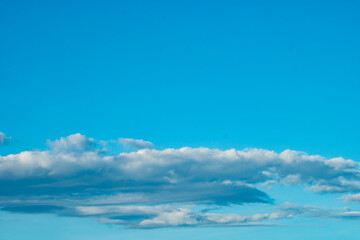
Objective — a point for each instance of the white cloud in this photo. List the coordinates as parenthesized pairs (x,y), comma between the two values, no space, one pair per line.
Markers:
(178,217)
(352,198)
(170,216)
(72,143)
(74,155)
(340,184)
(136,143)
(76,171)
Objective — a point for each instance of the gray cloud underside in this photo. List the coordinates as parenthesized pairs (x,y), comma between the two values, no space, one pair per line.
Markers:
(77,171)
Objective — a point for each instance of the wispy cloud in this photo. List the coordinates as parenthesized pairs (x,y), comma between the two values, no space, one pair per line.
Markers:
(352,198)
(160,216)
(4,139)
(136,143)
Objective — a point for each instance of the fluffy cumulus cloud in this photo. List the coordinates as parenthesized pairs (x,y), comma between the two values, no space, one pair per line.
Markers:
(73,143)
(145,187)
(4,139)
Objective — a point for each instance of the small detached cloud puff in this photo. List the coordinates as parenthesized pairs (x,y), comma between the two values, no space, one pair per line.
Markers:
(4,140)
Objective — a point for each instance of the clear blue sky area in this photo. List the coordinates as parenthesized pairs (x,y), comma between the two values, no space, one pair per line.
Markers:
(273,75)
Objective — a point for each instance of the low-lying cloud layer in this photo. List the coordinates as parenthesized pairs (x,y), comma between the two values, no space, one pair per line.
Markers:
(76,176)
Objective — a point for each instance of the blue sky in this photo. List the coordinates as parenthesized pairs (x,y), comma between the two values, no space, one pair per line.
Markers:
(206,75)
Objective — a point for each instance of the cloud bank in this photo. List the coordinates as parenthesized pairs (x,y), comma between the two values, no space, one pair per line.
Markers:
(142,188)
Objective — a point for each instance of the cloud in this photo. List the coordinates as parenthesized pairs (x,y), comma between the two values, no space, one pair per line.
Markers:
(310,211)
(337,185)
(161,216)
(77,171)
(76,160)
(348,215)
(352,198)
(4,140)
(292,210)
(136,143)
(72,143)
(153,216)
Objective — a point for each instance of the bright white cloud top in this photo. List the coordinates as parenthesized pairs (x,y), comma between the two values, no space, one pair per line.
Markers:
(149,188)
